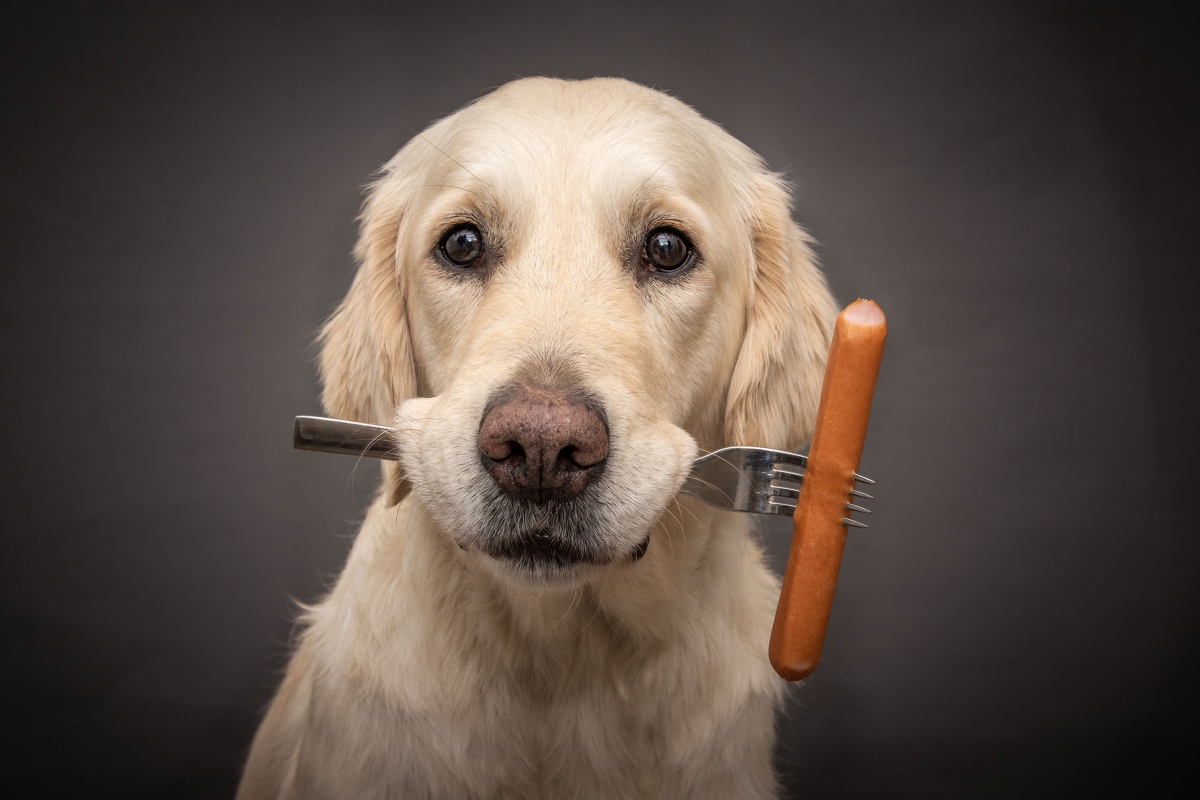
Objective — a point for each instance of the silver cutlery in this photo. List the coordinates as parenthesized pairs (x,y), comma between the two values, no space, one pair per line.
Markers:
(751,479)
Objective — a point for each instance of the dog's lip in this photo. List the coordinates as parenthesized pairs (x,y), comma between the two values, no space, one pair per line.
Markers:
(540,548)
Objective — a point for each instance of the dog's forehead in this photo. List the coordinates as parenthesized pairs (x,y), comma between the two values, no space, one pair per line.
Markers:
(600,138)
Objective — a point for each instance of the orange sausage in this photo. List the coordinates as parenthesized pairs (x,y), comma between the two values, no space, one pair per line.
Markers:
(816,553)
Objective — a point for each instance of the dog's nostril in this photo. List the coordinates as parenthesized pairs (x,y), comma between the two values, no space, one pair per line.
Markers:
(501,450)
(589,453)
(514,456)
(568,459)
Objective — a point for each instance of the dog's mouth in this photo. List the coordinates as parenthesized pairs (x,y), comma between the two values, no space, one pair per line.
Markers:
(605,529)
(541,553)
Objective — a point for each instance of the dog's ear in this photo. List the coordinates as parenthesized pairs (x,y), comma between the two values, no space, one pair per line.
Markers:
(776,384)
(367,365)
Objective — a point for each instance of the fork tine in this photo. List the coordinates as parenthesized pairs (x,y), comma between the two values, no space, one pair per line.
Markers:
(778,457)
(775,457)
(857,493)
(782,491)
(789,468)
(791,472)
(854,522)
(853,507)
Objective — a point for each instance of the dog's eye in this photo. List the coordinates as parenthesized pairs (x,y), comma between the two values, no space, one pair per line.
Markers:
(463,245)
(666,250)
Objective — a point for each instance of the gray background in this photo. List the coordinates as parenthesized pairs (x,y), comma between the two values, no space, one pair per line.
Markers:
(1015,184)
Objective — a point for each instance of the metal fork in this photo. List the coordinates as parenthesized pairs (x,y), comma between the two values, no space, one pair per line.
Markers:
(757,480)
(752,479)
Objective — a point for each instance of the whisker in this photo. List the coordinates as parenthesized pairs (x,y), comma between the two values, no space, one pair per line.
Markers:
(570,608)
(596,602)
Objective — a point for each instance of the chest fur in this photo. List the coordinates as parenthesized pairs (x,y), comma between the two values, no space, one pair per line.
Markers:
(508,735)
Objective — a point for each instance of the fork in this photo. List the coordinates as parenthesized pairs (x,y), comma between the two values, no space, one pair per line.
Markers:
(752,479)
(757,480)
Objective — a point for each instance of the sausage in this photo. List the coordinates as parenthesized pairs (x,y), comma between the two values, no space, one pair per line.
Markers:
(798,633)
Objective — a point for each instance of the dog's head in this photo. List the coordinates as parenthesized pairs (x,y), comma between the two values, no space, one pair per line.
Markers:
(565,289)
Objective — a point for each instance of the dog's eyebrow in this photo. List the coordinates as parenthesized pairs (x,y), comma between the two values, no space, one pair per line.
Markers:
(477,206)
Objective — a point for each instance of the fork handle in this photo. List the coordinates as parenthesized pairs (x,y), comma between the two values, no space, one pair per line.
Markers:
(815,557)
(325,435)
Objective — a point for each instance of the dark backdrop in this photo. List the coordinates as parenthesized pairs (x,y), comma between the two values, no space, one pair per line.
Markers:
(1015,184)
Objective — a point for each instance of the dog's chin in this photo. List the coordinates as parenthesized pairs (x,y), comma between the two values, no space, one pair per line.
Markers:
(540,557)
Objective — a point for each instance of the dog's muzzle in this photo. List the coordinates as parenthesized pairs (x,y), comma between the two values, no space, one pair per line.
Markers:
(544,448)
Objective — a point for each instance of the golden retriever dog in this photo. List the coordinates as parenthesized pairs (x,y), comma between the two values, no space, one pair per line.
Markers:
(566,291)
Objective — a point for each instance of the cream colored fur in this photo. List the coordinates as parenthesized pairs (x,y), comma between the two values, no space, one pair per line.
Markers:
(433,671)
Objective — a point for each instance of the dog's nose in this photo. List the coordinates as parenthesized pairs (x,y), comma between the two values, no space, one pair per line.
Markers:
(543,444)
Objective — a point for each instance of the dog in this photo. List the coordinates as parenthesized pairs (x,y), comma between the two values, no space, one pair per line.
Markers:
(566,291)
